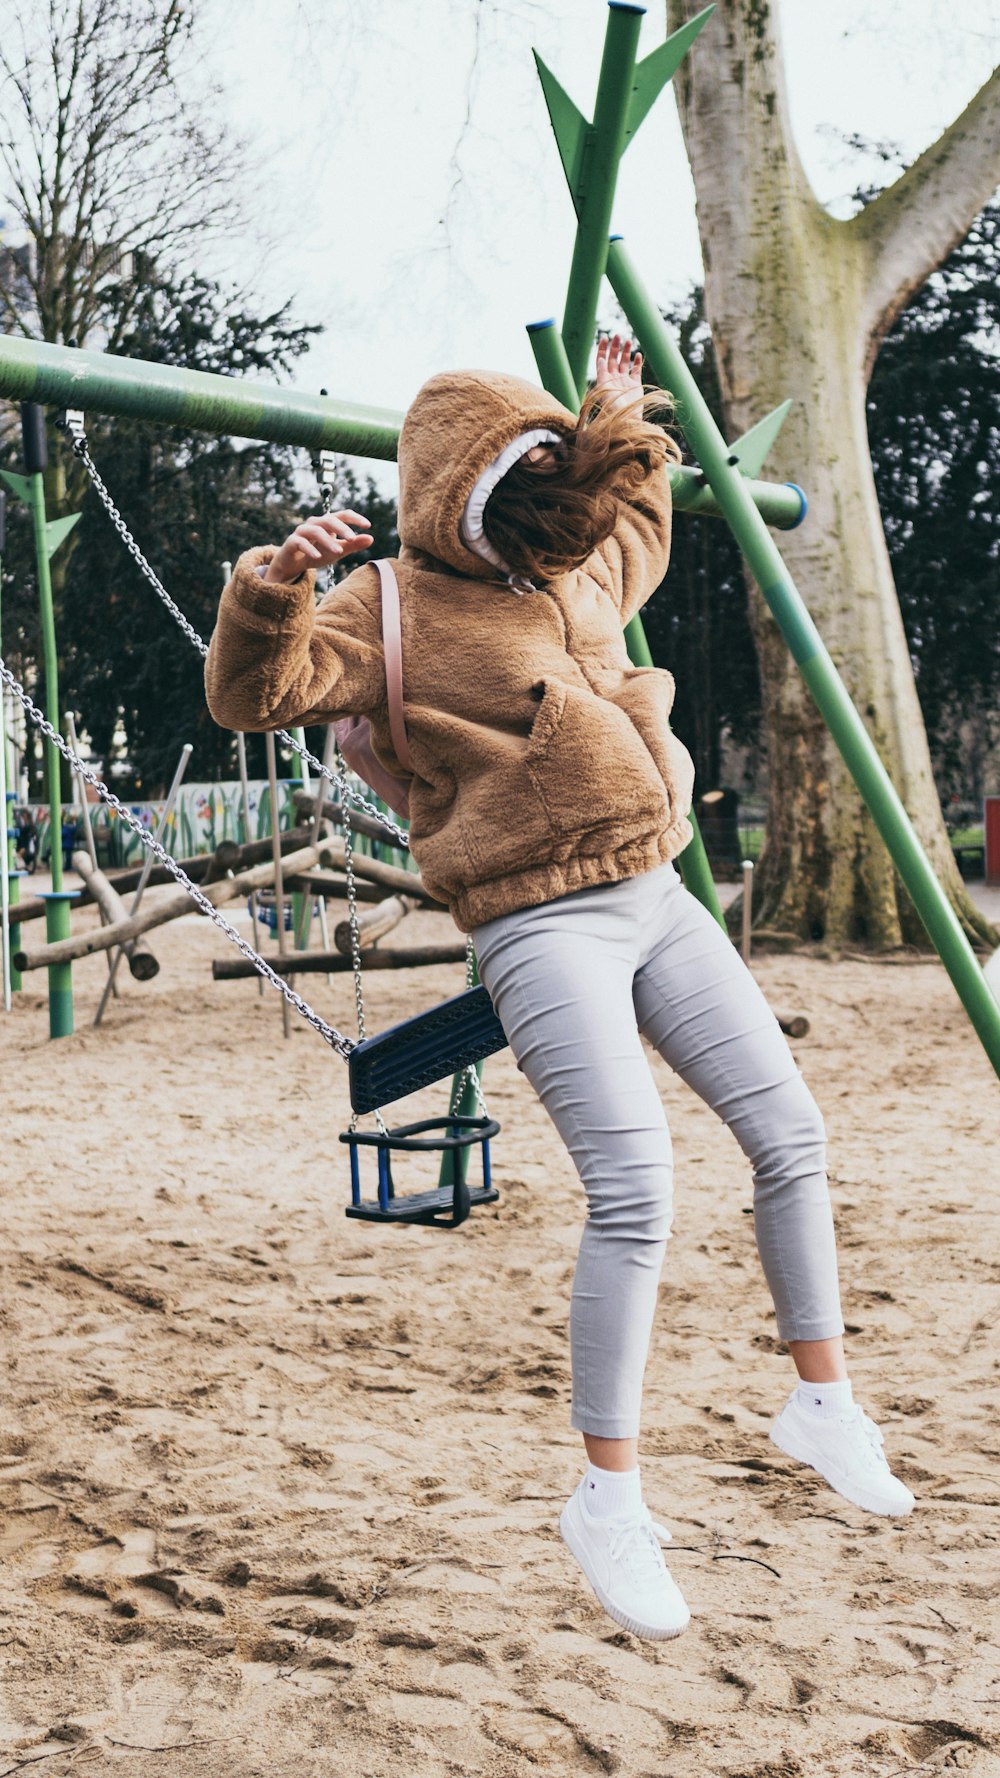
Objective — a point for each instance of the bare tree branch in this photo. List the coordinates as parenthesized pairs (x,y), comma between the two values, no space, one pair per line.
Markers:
(108,143)
(913,225)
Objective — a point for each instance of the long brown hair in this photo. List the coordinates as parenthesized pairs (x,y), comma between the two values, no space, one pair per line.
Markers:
(544,519)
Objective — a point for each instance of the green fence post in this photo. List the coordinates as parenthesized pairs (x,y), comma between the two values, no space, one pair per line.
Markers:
(787,606)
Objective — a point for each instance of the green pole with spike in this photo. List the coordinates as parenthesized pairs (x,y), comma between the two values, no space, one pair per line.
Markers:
(591,153)
(720,463)
(599,151)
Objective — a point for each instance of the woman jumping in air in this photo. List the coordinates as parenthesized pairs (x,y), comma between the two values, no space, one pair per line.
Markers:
(548,803)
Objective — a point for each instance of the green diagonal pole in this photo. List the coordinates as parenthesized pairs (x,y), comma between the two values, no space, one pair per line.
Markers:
(554,369)
(777,587)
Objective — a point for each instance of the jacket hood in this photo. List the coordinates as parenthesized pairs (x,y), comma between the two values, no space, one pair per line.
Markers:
(455,427)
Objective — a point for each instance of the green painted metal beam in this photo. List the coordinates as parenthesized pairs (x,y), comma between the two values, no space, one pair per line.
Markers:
(48,536)
(852,738)
(595,190)
(101,384)
(57,927)
(98,382)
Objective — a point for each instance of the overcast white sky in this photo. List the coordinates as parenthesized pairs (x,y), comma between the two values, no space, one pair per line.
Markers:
(408,187)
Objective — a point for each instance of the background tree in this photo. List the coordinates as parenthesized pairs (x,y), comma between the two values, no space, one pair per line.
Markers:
(933,405)
(114,174)
(108,158)
(934,426)
(193,501)
(799,303)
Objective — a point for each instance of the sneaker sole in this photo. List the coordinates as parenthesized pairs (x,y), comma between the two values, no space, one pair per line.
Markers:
(858,1496)
(652,1633)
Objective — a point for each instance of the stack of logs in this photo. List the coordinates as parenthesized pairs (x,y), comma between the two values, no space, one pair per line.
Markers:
(311,866)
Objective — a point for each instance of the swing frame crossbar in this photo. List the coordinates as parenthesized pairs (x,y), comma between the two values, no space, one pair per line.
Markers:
(442,1206)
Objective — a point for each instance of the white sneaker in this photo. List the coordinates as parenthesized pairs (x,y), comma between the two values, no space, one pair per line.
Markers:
(847,1451)
(623,1562)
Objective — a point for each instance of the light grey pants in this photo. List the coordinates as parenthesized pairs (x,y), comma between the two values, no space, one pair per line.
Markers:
(574,982)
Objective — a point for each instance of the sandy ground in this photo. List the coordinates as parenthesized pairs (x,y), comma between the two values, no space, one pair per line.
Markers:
(279,1490)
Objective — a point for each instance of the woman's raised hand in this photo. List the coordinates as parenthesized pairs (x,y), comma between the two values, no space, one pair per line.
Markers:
(619,369)
(317,542)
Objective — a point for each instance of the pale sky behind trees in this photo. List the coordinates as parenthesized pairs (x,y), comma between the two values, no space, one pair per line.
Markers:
(408,191)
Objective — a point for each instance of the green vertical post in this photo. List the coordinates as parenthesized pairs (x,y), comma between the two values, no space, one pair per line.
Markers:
(57,926)
(48,537)
(554,369)
(36,502)
(591,152)
(793,619)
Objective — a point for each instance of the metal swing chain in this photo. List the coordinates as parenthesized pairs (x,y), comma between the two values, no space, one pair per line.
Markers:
(352,922)
(74,428)
(327,479)
(341,1044)
(327,482)
(469,1075)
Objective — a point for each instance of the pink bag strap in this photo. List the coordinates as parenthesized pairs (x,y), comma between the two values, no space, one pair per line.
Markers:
(392,639)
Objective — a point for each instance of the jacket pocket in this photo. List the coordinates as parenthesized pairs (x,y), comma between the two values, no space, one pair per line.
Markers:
(496,825)
(592,767)
(646,697)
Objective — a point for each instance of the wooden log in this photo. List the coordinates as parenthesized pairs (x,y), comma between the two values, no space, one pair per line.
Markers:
(83,944)
(373,870)
(794,1024)
(305,804)
(374,924)
(201,867)
(230,969)
(141,961)
(331,886)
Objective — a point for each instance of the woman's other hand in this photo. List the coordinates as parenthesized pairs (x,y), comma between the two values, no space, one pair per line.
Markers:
(619,371)
(317,542)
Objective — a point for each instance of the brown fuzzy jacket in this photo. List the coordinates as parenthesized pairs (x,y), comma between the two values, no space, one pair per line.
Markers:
(544,762)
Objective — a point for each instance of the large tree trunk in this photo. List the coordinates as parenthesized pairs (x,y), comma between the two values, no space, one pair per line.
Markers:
(797,302)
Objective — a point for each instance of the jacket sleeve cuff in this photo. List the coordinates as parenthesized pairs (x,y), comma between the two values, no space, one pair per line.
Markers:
(271,603)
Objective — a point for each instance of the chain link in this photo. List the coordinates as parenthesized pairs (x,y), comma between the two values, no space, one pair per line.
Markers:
(470,1075)
(336,775)
(352,922)
(342,1045)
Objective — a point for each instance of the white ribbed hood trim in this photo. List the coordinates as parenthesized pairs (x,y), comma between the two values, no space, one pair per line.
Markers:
(472,518)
